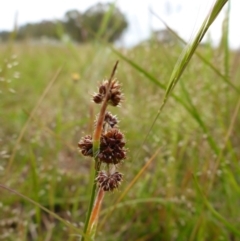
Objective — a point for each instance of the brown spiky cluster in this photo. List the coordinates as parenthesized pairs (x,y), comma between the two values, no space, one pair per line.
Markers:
(112,147)
(111,150)
(109,182)
(115,95)
(86,146)
(110,120)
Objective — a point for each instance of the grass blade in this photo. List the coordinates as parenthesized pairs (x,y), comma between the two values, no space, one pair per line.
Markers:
(224,77)
(216,214)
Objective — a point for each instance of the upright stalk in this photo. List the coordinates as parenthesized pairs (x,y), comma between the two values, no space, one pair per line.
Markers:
(95,213)
(96,148)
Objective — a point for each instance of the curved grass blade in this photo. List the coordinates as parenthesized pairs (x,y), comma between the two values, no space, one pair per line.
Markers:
(190,110)
(190,49)
(43,208)
(199,55)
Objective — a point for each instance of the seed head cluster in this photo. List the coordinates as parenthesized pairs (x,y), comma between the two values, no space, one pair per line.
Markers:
(112,149)
(109,182)
(110,119)
(86,146)
(115,95)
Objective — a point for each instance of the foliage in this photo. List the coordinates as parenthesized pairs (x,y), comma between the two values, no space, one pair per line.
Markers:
(84,27)
(38,30)
(94,17)
(80,27)
(73,25)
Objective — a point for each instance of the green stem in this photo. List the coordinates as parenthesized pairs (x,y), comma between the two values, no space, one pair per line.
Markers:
(90,203)
(96,149)
(92,226)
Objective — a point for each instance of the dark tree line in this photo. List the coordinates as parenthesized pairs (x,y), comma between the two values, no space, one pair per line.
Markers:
(104,19)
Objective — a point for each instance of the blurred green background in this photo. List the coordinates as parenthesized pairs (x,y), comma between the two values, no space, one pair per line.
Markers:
(191,189)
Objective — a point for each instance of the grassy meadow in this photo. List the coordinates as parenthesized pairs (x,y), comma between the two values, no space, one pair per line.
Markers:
(191,187)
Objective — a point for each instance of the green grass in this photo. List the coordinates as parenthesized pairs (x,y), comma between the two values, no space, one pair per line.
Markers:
(190,190)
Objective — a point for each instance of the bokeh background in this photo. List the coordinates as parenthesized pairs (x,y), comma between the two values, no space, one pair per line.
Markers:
(54,55)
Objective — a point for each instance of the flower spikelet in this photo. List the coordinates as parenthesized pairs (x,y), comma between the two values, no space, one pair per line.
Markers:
(109,182)
(110,119)
(115,95)
(102,90)
(86,146)
(112,149)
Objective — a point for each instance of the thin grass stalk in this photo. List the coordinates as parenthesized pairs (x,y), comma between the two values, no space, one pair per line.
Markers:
(95,214)
(189,51)
(224,76)
(187,54)
(96,148)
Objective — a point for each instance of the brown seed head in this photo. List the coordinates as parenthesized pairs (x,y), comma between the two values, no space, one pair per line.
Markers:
(86,146)
(102,90)
(109,182)
(112,149)
(109,119)
(115,95)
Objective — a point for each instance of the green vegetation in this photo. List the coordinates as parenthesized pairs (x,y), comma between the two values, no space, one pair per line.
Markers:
(75,26)
(188,187)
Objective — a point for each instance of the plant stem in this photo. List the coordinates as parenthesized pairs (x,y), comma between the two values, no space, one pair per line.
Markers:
(95,213)
(96,147)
